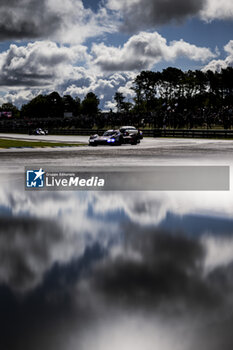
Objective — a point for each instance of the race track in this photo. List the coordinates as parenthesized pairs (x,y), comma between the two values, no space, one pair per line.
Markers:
(150,151)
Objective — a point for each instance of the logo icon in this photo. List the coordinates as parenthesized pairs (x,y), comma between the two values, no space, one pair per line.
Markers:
(35,178)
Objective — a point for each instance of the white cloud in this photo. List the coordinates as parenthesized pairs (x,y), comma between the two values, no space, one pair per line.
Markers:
(143,51)
(103,86)
(20,96)
(44,66)
(38,64)
(80,23)
(62,77)
(146,14)
(65,21)
(217,65)
(142,14)
(69,21)
(27,19)
(217,9)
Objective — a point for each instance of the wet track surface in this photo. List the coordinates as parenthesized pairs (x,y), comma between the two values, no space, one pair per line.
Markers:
(149,152)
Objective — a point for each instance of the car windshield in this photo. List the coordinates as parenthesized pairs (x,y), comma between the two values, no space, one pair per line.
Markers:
(109,133)
(125,129)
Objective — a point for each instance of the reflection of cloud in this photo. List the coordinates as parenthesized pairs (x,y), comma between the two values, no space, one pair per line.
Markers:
(160,276)
(76,220)
(100,272)
(29,247)
(151,208)
(45,229)
(219,251)
(136,332)
(48,315)
(167,271)
(146,208)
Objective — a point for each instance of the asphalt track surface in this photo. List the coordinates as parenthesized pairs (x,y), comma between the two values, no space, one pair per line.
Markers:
(150,151)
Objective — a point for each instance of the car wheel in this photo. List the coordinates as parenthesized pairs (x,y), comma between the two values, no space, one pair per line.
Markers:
(133,141)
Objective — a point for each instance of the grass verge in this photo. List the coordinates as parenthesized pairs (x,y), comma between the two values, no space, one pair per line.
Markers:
(6,143)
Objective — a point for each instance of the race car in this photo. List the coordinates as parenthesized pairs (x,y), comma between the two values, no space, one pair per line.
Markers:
(38,131)
(131,134)
(110,137)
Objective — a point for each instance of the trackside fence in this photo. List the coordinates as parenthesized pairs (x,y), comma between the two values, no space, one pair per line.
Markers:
(177,133)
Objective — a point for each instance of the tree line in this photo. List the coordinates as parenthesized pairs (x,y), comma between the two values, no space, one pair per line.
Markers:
(55,106)
(172,87)
(170,98)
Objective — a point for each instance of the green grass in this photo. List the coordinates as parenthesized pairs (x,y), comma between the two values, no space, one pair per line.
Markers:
(8,143)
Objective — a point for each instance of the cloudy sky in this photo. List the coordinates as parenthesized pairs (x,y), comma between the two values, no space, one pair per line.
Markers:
(77,46)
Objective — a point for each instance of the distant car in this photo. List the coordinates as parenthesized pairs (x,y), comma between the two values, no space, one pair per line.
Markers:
(131,134)
(38,131)
(110,137)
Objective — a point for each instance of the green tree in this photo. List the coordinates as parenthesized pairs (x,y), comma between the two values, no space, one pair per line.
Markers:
(77,106)
(146,86)
(227,81)
(119,98)
(171,84)
(71,105)
(90,104)
(38,107)
(54,105)
(9,107)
